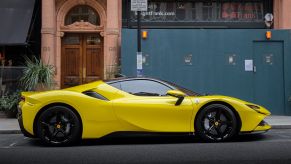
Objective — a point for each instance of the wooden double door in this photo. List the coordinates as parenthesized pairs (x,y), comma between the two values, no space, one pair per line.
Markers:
(82,59)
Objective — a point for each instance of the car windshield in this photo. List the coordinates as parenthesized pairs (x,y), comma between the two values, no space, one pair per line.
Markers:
(186,91)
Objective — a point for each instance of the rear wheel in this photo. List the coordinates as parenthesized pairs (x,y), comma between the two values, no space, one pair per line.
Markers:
(215,123)
(58,126)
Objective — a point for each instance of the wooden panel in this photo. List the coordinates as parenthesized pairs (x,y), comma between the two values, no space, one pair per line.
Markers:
(71,67)
(93,64)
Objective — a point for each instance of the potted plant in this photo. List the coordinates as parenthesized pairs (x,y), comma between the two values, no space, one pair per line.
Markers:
(37,75)
(113,71)
(8,104)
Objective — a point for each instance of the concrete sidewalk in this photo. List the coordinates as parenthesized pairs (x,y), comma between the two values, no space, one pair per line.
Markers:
(10,125)
(279,122)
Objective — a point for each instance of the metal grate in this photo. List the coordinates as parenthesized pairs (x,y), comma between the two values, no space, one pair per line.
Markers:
(9,78)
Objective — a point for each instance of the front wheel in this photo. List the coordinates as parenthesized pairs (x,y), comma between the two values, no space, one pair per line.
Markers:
(58,126)
(216,123)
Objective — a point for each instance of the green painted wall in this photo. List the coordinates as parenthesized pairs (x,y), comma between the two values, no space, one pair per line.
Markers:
(210,72)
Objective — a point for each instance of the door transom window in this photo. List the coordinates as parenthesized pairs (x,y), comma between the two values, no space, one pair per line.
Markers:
(82,13)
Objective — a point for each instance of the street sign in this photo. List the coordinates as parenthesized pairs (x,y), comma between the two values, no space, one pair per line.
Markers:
(139,5)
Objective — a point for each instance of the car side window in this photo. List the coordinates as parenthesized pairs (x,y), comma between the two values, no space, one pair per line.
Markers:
(144,88)
(116,85)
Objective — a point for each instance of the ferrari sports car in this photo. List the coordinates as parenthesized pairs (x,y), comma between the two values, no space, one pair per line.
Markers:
(97,109)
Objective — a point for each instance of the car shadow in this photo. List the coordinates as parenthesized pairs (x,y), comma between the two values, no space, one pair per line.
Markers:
(163,139)
(151,139)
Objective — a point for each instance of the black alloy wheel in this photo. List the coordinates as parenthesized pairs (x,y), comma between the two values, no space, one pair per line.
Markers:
(58,126)
(216,123)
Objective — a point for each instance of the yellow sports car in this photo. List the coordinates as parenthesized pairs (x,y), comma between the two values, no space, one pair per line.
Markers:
(93,110)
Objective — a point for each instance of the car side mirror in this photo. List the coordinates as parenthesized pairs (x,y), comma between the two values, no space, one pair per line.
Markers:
(178,94)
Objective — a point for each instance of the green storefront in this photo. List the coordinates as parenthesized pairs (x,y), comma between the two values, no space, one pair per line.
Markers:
(213,47)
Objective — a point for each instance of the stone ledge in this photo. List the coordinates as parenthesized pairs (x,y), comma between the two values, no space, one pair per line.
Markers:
(2,115)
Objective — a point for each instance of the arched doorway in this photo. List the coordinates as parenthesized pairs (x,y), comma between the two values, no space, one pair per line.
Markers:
(82,47)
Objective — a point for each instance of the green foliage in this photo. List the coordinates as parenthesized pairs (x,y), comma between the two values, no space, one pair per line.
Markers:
(113,71)
(37,73)
(8,103)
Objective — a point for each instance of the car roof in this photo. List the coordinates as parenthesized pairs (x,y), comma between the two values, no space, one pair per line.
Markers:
(121,79)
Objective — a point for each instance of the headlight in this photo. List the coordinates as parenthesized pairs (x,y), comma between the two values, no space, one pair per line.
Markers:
(254,107)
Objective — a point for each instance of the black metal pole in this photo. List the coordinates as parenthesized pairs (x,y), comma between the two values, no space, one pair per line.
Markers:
(138,32)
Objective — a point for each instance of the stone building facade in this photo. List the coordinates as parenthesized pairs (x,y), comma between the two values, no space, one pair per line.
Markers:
(81,38)
(282,14)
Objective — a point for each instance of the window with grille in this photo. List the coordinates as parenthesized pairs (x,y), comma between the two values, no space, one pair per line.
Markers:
(220,13)
(82,13)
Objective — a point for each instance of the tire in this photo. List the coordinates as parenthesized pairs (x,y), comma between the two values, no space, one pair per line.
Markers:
(58,126)
(216,123)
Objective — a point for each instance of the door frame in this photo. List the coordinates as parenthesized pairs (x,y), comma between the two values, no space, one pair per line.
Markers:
(283,69)
(83,50)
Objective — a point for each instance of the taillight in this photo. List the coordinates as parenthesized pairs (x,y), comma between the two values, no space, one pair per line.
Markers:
(22,98)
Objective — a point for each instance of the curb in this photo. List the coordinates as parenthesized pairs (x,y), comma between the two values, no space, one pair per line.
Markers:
(281,126)
(10,132)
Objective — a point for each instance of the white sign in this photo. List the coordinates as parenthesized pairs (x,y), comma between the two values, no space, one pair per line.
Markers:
(139,60)
(139,5)
(160,13)
(249,65)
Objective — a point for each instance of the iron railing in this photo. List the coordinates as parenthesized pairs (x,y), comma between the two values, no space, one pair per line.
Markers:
(9,79)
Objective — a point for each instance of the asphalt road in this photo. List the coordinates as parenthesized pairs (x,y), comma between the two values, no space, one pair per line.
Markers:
(271,147)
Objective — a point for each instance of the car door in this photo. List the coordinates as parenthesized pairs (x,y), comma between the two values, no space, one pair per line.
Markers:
(151,109)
